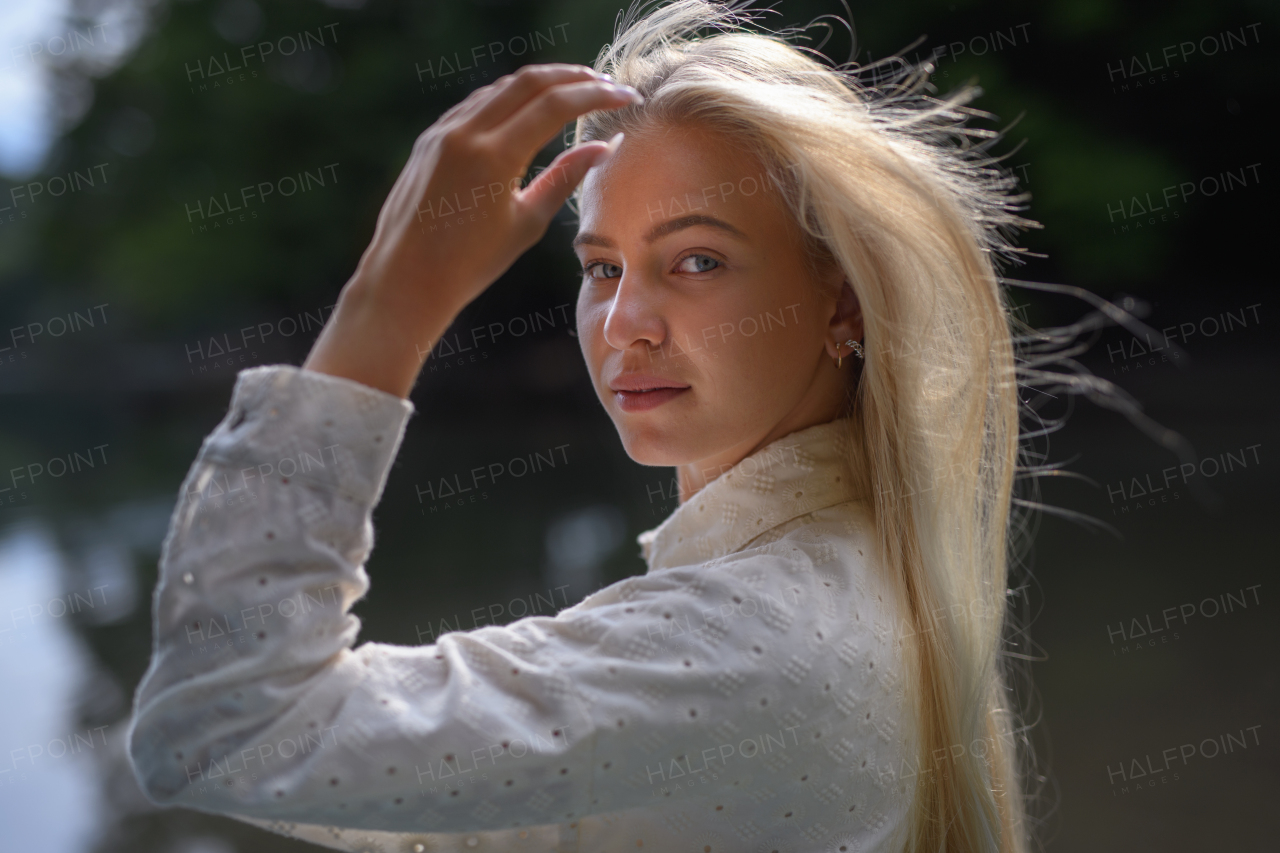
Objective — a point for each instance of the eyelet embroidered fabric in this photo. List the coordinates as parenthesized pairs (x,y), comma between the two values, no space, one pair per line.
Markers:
(744,694)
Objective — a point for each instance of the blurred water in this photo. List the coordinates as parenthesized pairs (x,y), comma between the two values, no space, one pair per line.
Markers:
(578,542)
(49,790)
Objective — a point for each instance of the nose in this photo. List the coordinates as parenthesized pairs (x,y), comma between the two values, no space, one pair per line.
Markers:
(635,314)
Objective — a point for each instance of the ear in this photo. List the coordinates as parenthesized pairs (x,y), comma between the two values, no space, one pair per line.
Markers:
(846,322)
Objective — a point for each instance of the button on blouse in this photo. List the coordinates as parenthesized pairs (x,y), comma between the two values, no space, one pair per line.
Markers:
(745,693)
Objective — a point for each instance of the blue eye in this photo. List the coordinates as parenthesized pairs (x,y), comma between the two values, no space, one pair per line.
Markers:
(702,263)
(612,271)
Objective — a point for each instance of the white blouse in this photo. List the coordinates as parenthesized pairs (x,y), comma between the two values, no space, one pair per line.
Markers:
(744,694)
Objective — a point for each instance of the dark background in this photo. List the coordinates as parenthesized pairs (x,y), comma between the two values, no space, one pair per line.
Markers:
(1101,138)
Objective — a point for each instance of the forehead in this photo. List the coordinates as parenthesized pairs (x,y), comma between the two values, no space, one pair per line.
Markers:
(672,171)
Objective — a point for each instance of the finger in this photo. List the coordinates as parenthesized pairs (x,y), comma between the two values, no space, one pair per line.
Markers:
(524,134)
(481,98)
(553,186)
(466,109)
(474,100)
(510,93)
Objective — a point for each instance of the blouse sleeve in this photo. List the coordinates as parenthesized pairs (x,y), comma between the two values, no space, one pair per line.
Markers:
(256,703)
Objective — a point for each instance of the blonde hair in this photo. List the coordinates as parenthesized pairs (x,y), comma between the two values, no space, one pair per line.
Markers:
(887,182)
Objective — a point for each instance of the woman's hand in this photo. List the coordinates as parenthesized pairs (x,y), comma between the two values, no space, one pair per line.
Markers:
(456,219)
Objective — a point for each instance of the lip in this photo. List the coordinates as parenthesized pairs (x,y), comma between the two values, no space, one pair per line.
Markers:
(638,392)
(643,382)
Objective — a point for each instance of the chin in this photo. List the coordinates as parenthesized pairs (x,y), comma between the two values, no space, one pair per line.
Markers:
(653,447)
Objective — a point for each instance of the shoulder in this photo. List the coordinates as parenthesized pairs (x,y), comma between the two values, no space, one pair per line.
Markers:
(834,552)
(811,589)
(827,554)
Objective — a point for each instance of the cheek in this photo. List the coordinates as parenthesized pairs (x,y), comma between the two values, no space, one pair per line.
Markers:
(762,337)
(768,364)
(590,326)
(774,351)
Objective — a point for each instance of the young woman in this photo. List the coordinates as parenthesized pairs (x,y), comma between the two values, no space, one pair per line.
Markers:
(788,294)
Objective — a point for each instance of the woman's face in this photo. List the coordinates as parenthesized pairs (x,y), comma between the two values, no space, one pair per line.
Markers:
(694,284)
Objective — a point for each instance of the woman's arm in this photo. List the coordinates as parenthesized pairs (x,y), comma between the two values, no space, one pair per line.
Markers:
(256,704)
(423,267)
(265,552)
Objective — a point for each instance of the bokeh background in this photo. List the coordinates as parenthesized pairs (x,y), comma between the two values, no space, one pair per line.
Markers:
(1139,132)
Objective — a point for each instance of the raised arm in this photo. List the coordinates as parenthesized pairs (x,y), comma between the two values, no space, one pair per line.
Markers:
(456,219)
(265,551)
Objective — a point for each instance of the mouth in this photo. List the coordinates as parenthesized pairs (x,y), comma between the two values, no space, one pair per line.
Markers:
(642,393)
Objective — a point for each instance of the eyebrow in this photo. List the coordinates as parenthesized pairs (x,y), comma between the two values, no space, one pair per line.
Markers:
(662,229)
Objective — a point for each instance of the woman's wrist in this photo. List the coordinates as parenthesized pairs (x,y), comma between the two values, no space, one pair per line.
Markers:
(373,339)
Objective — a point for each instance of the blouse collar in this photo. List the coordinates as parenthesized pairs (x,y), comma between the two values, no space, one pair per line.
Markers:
(800,473)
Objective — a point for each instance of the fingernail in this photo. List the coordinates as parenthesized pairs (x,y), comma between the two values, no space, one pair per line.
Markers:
(630,92)
(609,149)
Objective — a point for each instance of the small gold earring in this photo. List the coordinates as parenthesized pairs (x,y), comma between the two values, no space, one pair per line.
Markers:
(839,358)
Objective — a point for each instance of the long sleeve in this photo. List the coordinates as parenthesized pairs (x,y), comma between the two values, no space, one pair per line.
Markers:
(257,703)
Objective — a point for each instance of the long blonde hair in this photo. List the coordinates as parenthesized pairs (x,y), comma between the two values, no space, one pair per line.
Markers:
(887,182)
